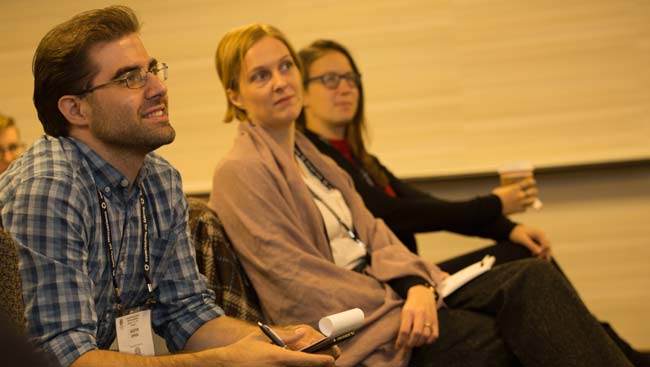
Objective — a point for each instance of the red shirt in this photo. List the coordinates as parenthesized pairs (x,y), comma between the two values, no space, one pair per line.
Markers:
(344,148)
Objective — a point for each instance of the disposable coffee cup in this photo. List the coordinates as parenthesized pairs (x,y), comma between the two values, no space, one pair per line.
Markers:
(511,173)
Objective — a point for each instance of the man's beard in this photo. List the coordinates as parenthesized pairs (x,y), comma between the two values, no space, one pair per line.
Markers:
(124,131)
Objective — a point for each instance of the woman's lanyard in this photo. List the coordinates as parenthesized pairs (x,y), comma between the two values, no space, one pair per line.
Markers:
(314,171)
(145,247)
(353,161)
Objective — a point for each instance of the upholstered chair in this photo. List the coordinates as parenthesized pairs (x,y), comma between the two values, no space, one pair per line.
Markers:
(218,261)
(11,296)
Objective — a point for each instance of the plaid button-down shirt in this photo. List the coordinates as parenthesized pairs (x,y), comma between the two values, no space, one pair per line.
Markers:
(49,203)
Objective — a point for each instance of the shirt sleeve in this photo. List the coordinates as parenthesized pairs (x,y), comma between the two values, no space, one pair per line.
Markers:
(46,218)
(402,285)
(414,211)
(418,212)
(184,301)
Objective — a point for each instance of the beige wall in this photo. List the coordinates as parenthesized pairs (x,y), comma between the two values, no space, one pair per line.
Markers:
(597,221)
(452,86)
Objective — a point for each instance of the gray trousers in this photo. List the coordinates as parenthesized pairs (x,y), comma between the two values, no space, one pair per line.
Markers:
(522,313)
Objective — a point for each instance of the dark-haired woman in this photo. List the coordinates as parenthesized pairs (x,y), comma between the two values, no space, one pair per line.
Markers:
(333,119)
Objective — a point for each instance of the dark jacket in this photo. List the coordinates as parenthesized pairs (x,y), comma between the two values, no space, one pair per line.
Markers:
(414,211)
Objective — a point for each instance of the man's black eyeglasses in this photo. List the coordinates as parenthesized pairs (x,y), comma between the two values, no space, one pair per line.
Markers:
(134,79)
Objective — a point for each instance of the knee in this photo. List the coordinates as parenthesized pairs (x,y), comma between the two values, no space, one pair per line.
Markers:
(538,269)
(539,264)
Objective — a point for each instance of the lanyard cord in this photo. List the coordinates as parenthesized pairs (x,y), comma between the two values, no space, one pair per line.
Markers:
(314,171)
(145,246)
(350,231)
(355,162)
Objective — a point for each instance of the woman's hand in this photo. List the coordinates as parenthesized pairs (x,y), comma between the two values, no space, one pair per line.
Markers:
(419,322)
(532,238)
(516,197)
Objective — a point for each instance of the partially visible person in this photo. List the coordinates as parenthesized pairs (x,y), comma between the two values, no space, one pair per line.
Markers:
(311,248)
(333,119)
(100,220)
(10,144)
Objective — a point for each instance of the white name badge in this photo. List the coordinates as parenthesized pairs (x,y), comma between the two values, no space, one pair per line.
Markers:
(134,335)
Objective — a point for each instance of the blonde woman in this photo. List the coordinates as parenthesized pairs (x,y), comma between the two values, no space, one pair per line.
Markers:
(311,248)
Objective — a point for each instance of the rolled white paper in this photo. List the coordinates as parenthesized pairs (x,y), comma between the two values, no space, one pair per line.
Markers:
(342,322)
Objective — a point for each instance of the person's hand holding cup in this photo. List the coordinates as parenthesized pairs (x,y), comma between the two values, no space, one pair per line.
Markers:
(518,189)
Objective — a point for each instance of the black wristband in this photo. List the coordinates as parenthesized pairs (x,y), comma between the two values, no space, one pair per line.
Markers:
(403,284)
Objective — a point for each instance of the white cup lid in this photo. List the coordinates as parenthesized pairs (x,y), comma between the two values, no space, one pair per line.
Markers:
(515,166)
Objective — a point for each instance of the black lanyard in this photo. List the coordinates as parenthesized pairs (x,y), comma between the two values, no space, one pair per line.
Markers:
(356,163)
(314,171)
(145,246)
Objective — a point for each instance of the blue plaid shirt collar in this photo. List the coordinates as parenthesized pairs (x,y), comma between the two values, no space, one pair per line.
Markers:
(107,178)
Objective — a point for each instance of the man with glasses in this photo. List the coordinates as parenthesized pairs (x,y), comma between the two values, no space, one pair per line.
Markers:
(10,144)
(100,220)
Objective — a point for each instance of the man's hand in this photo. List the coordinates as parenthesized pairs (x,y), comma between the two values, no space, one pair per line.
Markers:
(419,322)
(532,238)
(225,341)
(300,336)
(256,350)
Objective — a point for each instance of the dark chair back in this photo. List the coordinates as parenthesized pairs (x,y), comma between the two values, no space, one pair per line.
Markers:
(11,295)
(218,261)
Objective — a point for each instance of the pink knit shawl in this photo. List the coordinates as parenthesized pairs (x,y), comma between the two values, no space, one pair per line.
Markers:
(278,233)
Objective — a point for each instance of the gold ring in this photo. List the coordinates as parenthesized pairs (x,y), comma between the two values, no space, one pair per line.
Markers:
(427,324)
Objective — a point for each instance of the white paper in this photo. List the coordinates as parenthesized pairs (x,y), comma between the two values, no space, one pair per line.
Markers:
(461,277)
(134,334)
(342,322)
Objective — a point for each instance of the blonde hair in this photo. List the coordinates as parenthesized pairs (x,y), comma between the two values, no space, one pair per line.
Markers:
(6,122)
(230,56)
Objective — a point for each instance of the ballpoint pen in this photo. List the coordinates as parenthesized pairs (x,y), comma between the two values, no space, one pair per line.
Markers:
(326,343)
(272,335)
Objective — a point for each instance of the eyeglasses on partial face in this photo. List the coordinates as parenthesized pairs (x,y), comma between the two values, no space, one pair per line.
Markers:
(13,149)
(332,80)
(134,79)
